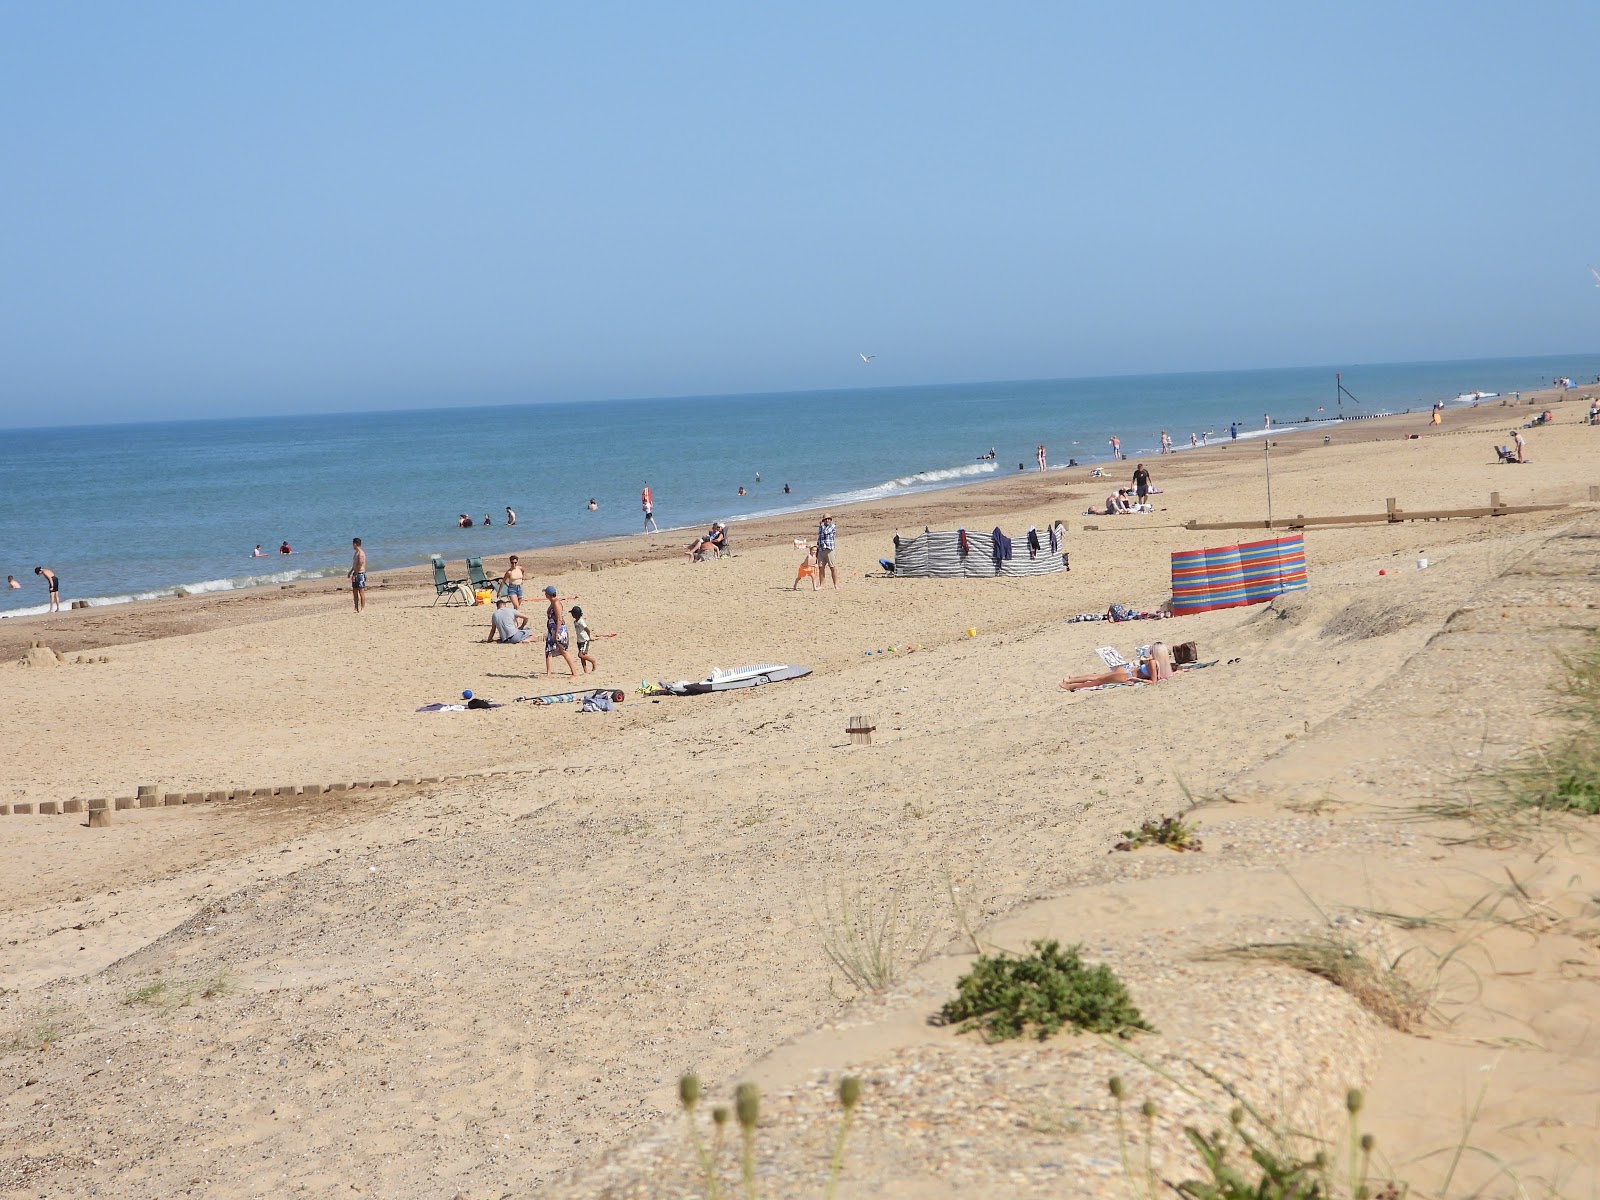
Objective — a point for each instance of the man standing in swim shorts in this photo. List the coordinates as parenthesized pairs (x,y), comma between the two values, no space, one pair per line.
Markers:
(826,532)
(55,583)
(358,575)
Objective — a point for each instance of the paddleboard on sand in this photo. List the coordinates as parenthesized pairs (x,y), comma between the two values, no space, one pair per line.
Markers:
(739,677)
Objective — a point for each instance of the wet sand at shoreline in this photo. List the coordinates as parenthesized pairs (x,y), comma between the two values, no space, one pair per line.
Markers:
(483,985)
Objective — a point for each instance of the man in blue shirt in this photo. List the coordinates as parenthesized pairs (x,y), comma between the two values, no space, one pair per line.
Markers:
(825,536)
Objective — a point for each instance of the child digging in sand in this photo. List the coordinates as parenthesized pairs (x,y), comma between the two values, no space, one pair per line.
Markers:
(808,568)
(581,628)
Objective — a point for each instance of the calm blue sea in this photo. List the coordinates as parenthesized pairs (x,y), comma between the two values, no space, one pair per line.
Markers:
(130,511)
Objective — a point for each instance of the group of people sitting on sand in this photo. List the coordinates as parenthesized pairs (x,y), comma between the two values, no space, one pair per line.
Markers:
(714,543)
(1121,501)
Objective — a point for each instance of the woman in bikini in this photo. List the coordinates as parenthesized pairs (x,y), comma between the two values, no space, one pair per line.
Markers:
(1153,668)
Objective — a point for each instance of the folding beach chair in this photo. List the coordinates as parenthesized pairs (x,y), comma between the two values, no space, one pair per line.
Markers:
(453,591)
(479,581)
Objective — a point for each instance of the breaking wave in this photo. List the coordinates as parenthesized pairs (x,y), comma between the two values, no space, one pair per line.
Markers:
(232,583)
(912,483)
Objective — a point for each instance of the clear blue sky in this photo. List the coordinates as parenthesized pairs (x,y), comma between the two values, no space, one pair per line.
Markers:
(221,209)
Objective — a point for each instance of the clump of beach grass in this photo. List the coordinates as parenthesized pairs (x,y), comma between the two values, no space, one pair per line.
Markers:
(42,1032)
(1547,783)
(1381,986)
(1040,994)
(164,994)
(873,940)
(1253,1158)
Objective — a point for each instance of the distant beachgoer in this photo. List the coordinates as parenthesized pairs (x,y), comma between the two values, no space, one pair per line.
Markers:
(464,521)
(758,476)
(507,624)
(11,582)
(286,549)
(827,532)
(486,520)
(808,569)
(580,629)
(1438,411)
(511,517)
(55,586)
(592,504)
(1522,446)
(649,510)
(1116,447)
(1266,420)
(258,552)
(358,574)
(511,583)
(555,634)
(1141,482)
(1041,457)
(1233,431)
(786,489)
(1194,442)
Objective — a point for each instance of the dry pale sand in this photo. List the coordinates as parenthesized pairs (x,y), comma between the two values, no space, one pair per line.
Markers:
(488,985)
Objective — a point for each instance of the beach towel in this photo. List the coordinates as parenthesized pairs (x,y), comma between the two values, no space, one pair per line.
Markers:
(1002,548)
(961,538)
(1033,542)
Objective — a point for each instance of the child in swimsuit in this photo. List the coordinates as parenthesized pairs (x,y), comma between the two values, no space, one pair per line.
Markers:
(808,568)
(581,628)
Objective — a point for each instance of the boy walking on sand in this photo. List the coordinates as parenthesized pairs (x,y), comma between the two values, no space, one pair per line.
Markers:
(580,628)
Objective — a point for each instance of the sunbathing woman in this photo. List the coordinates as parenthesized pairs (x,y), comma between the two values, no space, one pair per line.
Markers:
(1153,668)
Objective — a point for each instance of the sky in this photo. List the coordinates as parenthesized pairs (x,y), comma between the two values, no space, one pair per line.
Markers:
(229,210)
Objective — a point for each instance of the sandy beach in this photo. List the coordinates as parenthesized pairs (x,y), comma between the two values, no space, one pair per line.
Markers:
(488,983)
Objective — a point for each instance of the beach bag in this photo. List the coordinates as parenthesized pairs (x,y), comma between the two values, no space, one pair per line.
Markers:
(1120,612)
(1184,653)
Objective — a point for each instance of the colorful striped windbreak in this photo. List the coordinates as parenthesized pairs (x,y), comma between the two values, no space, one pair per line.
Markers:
(1228,576)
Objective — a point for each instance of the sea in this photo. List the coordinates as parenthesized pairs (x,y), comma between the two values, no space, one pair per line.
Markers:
(138,511)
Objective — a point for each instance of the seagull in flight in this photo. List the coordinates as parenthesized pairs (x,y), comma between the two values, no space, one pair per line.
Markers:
(870,357)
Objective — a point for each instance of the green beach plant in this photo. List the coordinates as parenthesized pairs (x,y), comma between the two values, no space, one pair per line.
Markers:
(1042,993)
(1172,832)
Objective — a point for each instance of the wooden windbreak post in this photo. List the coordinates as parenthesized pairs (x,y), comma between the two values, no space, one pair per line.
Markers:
(1389,505)
(1594,491)
(1494,503)
(99,818)
(860,730)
